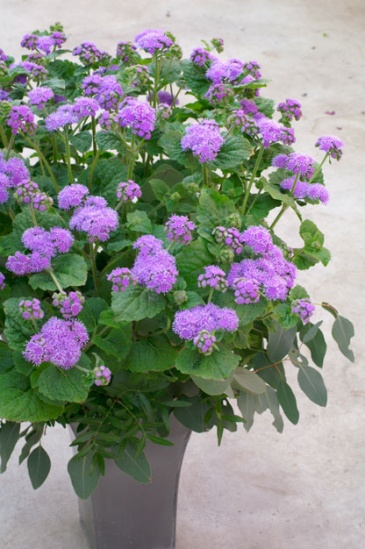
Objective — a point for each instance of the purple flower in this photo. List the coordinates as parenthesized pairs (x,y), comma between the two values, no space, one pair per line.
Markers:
(37,239)
(316,191)
(72,196)
(104,120)
(30,309)
(128,191)
(217,92)
(203,139)
(121,278)
(178,229)
(153,40)
(34,69)
(252,68)
(21,118)
(148,244)
(102,375)
(96,221)
(26,191)
(89,53)
(2,281)
(249,107)
(15,169)
(228,71)
(166,98)
(258,238)
(138,116)
(70,305)
(331,145)
(200,57)
(40,96)
(299,164)
(230,237)
(63,116)
(303,308)
(126,51)
(106,89)
(156,271)
(205,342)
(85,106)
(18,264)
(61,239)
(91,84)
(246,290)
(270,131)
(190,322)
(290,109)
(214,277)
(59,342)
(4,195)
(38,262)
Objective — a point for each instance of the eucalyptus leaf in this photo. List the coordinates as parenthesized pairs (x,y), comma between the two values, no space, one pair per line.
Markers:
(342,332)
(84,475)
(39,466)
(9,436)
(311,383)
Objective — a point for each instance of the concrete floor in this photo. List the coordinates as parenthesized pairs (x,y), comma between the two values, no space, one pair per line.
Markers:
(304,488)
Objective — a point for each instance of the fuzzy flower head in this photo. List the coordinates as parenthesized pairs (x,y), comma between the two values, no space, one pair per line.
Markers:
(299,164)
(189,323)
(126,52)
(62,117)
(70,305)
(28,193)
(30,309)
(85,106)
(304,309)
(289,109)
(214,277)
(258,238)
(218,92)
(148,245)
(121,278)
(15,170)
(156,271)
(246,290)
(129,191)
(178,229)
(22,264)
(205,342)
(40,96)
(102,375)
(230,237)
(153,41)
(229,71)
(138,116)
(203,139)
(200,57)
(89,54)
(106,90)
(72,196)
(331,145)
(96,220)
(21,118)
(59,342)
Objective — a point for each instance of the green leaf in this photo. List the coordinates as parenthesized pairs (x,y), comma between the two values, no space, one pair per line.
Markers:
(117,342)
(195,77)
(276,194)
(311,383)
(159,440)
(269,400)
(316,344)
(194,416)
(342,332)
(6,357)
(63,385)
(216,366)
(109,141)
(288,402)
(84,475)
(17,330)
(9,436)
(153,354)
(192,259)
(212,387)
(311,235)
(246,402)
(170,141)
(39,465)
(214,208)
(249,381)
(81,141)
(233,152)
(280,342)
(133,462)
(91,311)
(159,188)
(298,292)
(70,270)
(250,312)
(139,222)
(136,303)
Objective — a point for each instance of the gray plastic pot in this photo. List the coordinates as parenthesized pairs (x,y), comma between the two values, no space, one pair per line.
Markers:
(125,514)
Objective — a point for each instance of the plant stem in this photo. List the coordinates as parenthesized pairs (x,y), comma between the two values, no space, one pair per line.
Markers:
(3,137)
(10,145)
(93,129)
(32,214)
(205,175)
(54,278)
(319,167)
(93,265)
(249,187)
(68,157)
(41,156)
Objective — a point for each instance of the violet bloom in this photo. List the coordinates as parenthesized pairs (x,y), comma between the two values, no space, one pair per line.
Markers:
(30,309)
(252,68)
(138,116)
(40,96)
(246,290)
(156,271)
(299,164)
(148,244)
(153,40)
(121,278)
(218,92)
(62,117)
(59,342)
(34,69)
(4,185)
(203,139)
(189,323)
(97,221)
(126,51)
(18,264)
(228,71)
(178,229)
(200,57)
(304,309)
(37,239)
(102,375)
(70,305)
(2,281)
(230,237)
(15,170)
(106,90)
(72,196)
(269,130)
(21,118)
(290,109)
(214,277)
(85,106)
(61,239)
(258,238)
(129,191)
(205,342)
(89,54)
(331,145)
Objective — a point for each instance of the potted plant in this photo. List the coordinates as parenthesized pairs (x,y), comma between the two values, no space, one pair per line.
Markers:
(143,287)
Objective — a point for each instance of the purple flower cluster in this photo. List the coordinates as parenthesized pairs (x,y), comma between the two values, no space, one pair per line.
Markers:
(28,192)
(258,238)
(62,117)
(153,40)
(126,51)
(303,308)
(272,132)
(189,323)
(200,57)
(95,218)
(106,89)
(35,70)
(203,139)
(44,43)
(85,106)
(228,71)
(13,171)
(246,290)
(331,145)
(21,118)
(218,92)
(230,237)
(178,229)
(30,309)
(59,342)
(303,190)
(205,342)
(290,109)
(89,53)
(252,68)
(72,196)
(214,277)
(299,164)
(154,267)
(40,96)
(121,278)
(129,191)
(2,281)
(245,121)
(138,116)
(70,305)
(102,375)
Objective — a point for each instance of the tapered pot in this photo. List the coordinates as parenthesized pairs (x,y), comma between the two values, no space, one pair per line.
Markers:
(125,514)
